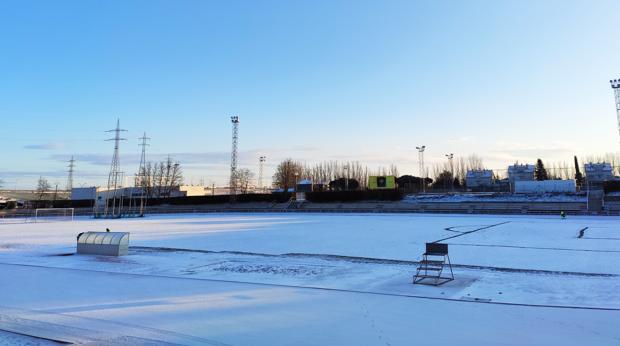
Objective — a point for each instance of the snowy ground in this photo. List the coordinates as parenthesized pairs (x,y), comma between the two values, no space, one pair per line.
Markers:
(497,197)
(281,279)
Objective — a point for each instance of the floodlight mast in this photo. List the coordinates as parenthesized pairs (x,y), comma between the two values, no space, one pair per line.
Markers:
(450,161)
(233,155)
(615,85)
(422,169)
(261,164)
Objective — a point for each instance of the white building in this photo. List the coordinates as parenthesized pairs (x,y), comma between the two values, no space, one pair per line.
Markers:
(598,172)
(518,172)
(479,180)
(93,192)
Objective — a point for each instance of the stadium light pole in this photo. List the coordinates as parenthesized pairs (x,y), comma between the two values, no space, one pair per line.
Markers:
(615,85)
(450,158)
(421,165)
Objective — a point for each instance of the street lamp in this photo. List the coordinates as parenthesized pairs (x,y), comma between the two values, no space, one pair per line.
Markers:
(346,178)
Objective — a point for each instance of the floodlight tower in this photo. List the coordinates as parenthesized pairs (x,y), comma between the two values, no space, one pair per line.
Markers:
(233,155)
(615,85)
(261,164)
(71,167)
(450,162)
(421,168)
(115,178)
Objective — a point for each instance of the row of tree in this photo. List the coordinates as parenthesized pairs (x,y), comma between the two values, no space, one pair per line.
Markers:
(289,172)
(159,179)
(446,175)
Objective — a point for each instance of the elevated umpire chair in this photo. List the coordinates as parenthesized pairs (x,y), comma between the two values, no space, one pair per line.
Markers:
(434,261)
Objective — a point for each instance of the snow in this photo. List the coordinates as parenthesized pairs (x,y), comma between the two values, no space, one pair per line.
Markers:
(496,197)
(308,279)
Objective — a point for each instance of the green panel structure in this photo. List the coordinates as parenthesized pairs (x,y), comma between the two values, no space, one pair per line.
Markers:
(381,182)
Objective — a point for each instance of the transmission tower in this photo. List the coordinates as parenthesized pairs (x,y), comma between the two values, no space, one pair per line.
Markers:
(71,167)
(115,178)
(615,85)
(233,155)
(422,169)
(141,181)
(261,164)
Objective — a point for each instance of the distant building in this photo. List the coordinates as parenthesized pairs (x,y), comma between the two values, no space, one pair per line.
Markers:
(598,172)
(304,186)
(479,180)
(518,172)
(85,193)
(300,190)
(94,192)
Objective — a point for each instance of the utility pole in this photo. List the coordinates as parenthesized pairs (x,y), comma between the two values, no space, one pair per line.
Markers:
(421,168)
(233,156)
(70,177)
(615,85)
(261,164)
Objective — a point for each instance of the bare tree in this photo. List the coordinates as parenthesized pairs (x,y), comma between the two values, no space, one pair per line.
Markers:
(160,178)
(287,173)
(43,186)
(244,178)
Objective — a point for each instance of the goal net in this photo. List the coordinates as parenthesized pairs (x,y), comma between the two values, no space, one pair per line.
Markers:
(53,214)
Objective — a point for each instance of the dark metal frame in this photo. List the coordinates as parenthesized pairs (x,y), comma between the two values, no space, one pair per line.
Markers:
(434,260)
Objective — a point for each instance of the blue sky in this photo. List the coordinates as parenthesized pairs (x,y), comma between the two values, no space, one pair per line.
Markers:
(311,80)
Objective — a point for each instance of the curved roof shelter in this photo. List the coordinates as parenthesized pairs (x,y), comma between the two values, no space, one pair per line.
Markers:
(103,243)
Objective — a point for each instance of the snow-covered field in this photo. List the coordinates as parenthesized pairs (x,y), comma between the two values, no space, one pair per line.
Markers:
(314,279)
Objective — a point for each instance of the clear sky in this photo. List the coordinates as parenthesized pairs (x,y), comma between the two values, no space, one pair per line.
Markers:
(311,80)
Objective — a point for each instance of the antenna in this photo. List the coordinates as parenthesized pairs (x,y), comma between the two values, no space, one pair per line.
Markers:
(261,164)
(233,155)
(71,167)
(615,85)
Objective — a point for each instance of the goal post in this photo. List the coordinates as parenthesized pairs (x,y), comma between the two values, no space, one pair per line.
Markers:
(53,214)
